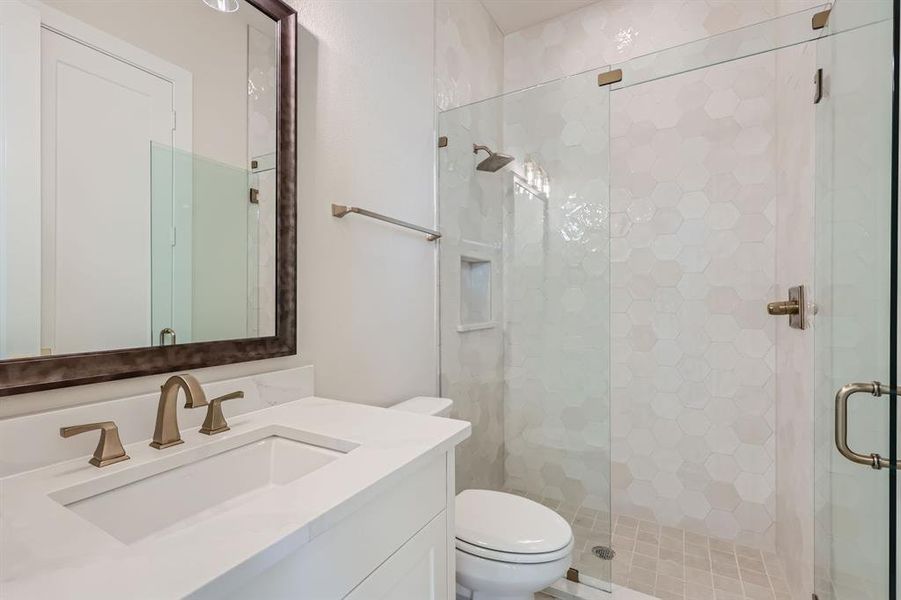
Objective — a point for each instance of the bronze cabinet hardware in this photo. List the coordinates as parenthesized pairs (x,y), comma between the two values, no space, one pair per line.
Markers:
(109,449)
(165,432)
(794,307)
(215,421)
(874,388)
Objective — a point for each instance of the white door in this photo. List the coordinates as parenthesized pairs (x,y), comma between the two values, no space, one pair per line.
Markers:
(99,117)
(20,180)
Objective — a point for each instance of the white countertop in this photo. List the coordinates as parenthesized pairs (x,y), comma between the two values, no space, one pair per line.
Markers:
(49,551)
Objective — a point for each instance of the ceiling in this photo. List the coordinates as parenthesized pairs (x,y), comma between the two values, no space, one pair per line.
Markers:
(513,15)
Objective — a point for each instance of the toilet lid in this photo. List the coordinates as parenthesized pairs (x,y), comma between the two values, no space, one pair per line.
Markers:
(507,523)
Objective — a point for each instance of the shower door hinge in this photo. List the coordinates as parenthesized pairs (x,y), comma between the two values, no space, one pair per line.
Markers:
(818,86)
(572,575)
(254,196)
(820,20)
(442,141)
(173,239)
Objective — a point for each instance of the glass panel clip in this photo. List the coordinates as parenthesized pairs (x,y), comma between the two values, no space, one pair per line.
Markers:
(608,77)
(820,20)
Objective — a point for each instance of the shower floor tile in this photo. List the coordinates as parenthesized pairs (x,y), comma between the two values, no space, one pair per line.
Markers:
(675,564)
(669,563)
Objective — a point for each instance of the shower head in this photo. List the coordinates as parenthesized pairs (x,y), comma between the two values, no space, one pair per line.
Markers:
(494,162)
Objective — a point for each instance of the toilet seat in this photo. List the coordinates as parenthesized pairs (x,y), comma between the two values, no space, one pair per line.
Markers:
(507,528)
(509,557)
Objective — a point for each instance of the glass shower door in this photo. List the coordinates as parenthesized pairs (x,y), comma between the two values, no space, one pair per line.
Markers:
(208,244)
(853,309)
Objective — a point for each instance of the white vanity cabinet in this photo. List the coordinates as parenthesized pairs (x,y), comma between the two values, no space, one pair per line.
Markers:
(396,546)
(313,499)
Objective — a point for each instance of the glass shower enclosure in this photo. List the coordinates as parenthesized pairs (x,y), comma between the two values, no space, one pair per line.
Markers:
(603,302)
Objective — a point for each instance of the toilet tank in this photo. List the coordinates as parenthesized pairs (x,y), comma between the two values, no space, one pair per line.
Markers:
(426,405)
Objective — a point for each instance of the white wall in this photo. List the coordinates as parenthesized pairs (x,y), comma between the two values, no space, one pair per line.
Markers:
(366,136)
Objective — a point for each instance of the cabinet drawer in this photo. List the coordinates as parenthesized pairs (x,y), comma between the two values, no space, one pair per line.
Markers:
(417,571)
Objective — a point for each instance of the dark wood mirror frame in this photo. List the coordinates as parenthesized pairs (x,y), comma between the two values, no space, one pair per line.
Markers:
(46,372)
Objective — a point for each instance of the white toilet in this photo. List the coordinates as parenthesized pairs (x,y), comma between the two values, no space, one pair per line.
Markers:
(508,547)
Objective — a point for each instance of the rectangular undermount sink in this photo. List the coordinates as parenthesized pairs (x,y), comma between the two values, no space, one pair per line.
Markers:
(197,489)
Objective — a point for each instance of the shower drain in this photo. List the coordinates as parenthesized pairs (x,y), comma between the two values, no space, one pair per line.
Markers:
(603,552)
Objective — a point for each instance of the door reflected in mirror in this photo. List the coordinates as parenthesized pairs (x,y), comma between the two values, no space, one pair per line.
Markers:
(138,198)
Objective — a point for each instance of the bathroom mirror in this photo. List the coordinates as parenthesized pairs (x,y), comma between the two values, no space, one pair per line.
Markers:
(147,187)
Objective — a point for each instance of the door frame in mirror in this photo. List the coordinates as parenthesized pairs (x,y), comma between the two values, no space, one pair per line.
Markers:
(38,373)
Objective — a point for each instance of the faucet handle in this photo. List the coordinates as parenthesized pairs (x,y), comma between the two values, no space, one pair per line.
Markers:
(109,450)
(215,421)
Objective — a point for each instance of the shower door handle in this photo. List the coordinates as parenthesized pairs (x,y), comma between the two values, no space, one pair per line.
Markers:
(874,388)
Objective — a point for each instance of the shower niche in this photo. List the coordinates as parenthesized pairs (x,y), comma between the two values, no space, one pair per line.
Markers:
(475,294)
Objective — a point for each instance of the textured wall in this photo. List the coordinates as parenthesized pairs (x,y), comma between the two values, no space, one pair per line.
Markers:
(469,53)
(613,31)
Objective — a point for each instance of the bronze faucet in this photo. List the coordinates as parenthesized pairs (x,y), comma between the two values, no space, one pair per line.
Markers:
(165,433)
